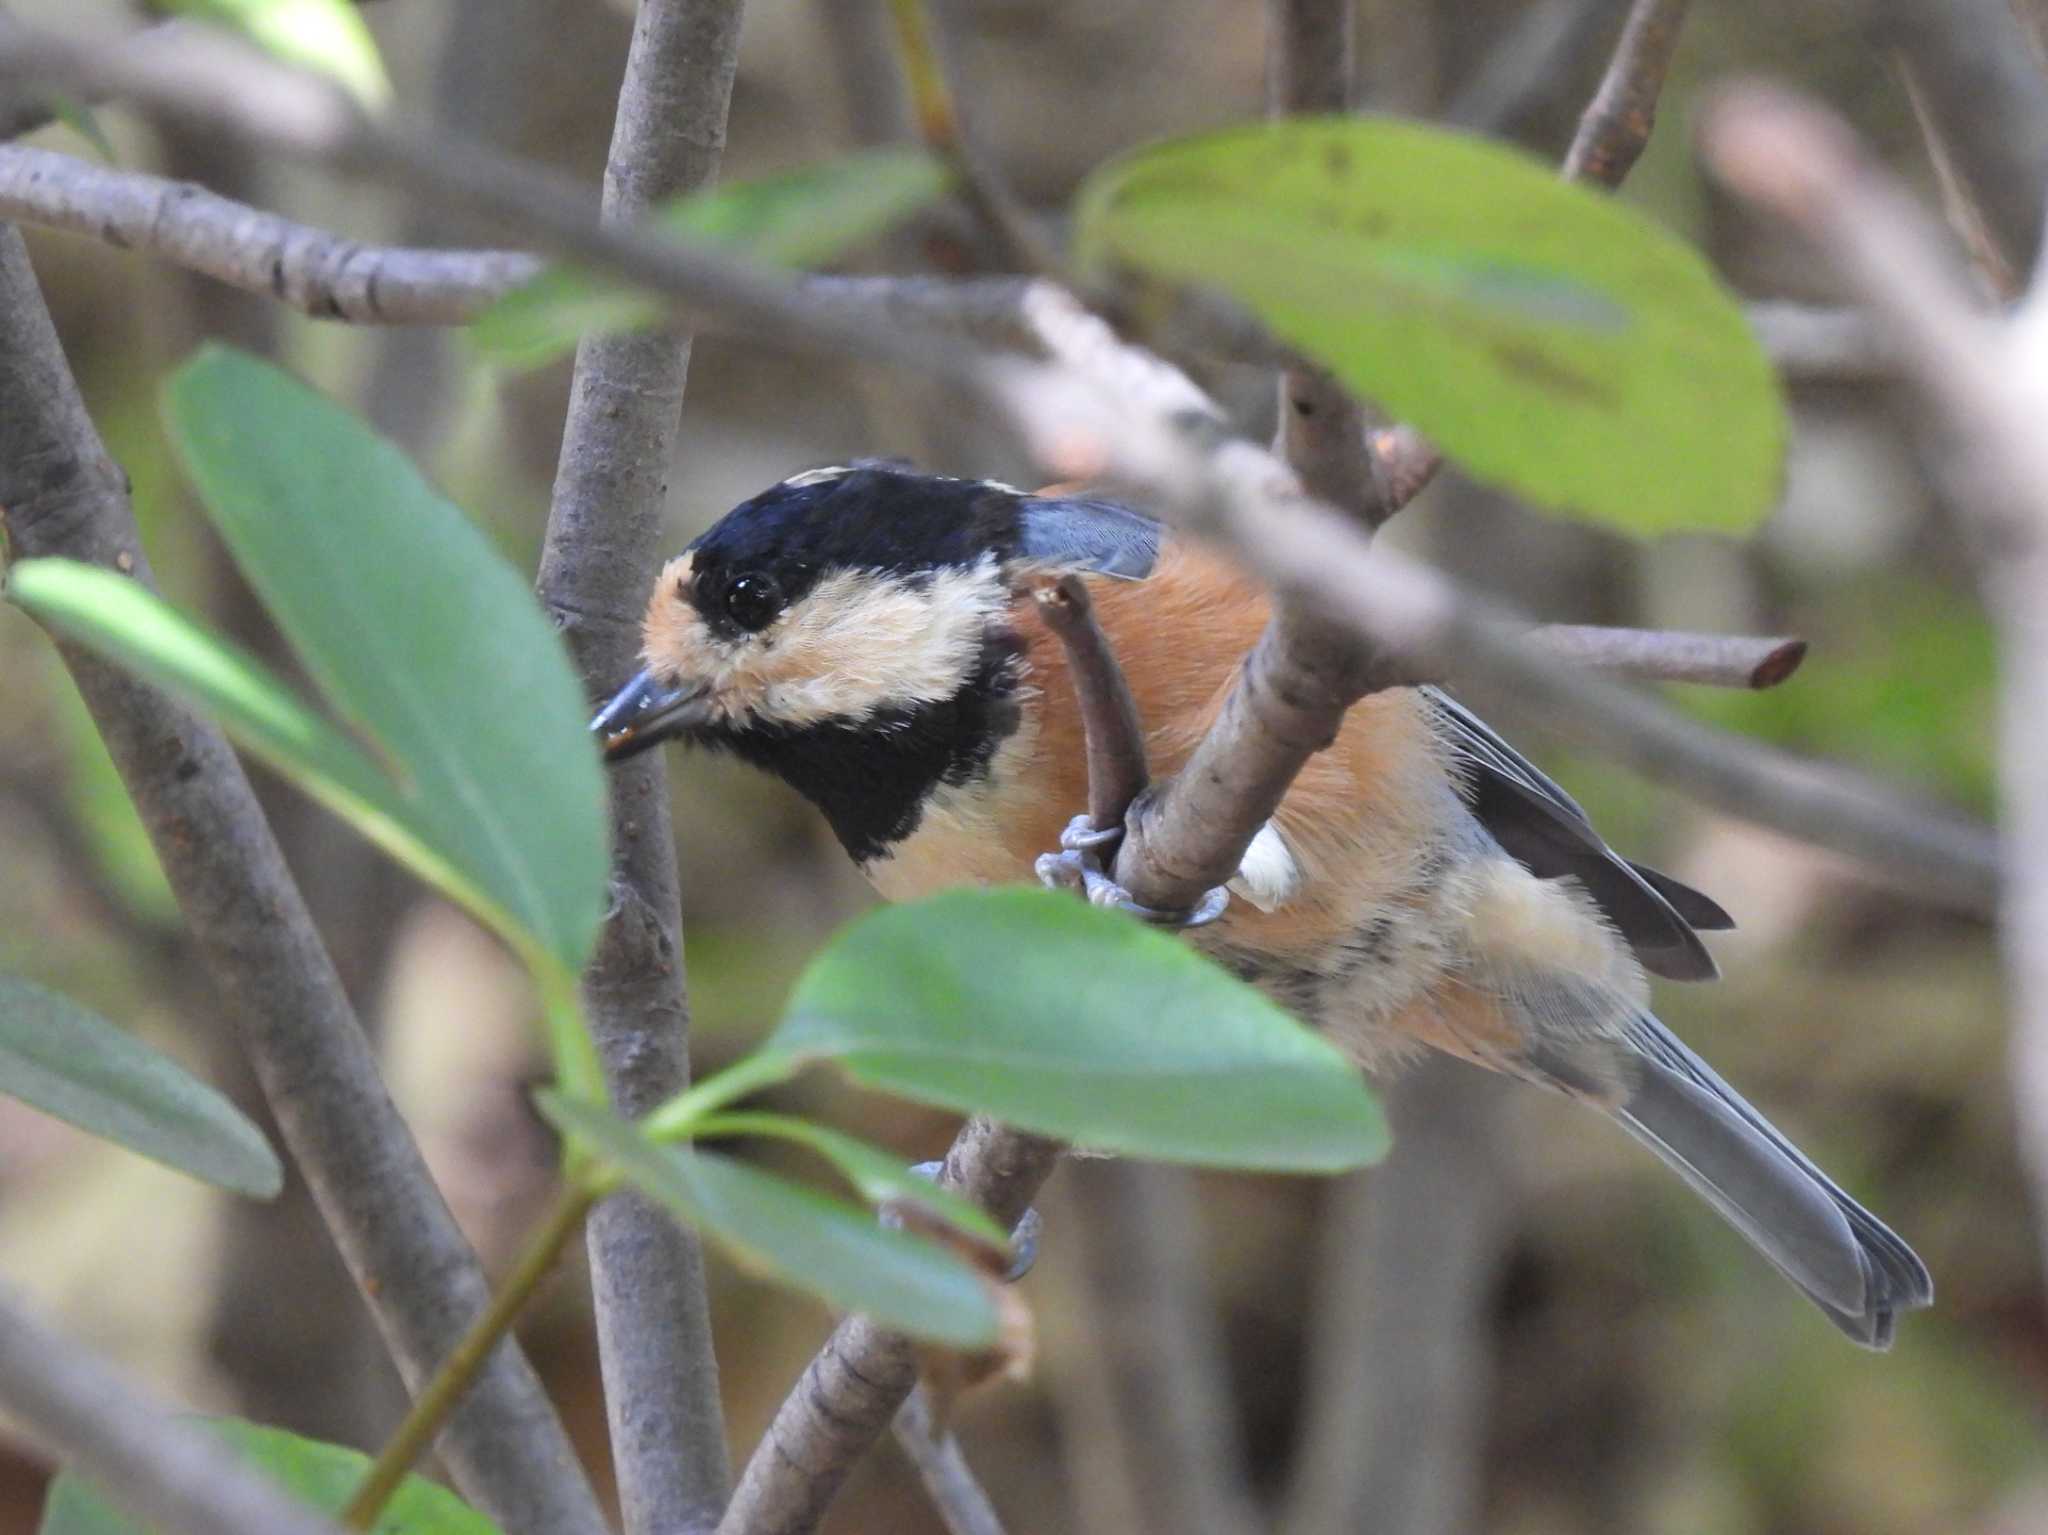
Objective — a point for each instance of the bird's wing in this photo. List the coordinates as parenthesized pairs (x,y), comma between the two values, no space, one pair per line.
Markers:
(1075,533)
(1543,829)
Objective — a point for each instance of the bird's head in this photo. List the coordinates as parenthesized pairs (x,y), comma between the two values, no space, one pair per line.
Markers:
(854,623)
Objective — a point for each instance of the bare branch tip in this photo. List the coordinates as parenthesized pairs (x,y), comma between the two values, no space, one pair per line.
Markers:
(1779,665)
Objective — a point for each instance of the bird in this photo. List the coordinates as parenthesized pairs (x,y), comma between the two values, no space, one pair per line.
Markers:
(866,633)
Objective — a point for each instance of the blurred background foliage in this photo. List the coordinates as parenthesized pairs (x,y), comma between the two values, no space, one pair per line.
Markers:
(1647,1373)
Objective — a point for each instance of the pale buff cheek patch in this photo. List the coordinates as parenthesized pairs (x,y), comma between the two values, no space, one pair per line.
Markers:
(859,641)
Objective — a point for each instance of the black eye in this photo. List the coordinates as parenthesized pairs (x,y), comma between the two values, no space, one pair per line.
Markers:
(753,601)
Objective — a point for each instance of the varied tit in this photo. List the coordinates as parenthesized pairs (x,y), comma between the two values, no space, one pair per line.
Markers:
(866,634)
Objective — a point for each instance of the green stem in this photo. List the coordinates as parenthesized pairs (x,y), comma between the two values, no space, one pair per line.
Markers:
(439,1398)
(677,1119)
(929,96)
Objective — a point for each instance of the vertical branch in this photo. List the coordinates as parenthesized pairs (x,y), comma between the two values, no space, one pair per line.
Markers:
(1986,381)
(60,494)
(1169,1417)
(1399,1363)
(603,542)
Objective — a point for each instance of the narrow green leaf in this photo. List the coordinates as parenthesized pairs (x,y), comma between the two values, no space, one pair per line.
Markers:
(98,801)
(318,1474)
(131,625)
(790,1234)
(878,1176)
(419,631)
(792,219)
(1079,1023)
(1549,338)
(329,36)
(75,1065)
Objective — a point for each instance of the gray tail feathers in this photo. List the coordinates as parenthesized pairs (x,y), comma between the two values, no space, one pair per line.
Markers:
(1844,1258)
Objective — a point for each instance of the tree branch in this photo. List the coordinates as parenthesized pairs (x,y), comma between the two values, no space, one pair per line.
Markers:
(1985,99)
(1170,1418)
(861,1377)
(597,565)
(955,1492)
(1399,1363)
(331,277)
(1667,655)
(1617,123)
(169,1473)
(1987,380)
(62,495)
(307,269)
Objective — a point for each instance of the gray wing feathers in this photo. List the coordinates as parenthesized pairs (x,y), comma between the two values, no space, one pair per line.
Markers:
(1542,828)
(1073,533)
(1847,1261)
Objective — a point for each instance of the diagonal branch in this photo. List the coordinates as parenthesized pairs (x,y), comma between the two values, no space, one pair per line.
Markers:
(1617,122)
(307,269)
(62,495)
(601,550)
(168,1472)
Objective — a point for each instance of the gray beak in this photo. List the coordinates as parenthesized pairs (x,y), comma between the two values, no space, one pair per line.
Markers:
(646,712)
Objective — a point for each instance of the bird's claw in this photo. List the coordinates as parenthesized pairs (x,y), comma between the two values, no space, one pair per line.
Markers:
(1023,1240)
(1078,867)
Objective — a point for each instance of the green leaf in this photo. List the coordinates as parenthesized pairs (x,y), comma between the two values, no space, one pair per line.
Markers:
(75,1065)
(129,624)
(793,219)
(1549,338)
(419,631)
(1076,1022)
(788,1233)
(328,36)
(98,801)
(318,1474)
(878,1176)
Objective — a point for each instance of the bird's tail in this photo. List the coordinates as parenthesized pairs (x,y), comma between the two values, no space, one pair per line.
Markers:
(1847,1261)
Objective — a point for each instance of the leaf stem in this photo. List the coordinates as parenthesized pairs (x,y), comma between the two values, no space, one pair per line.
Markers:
(441,1395)
(677,1119)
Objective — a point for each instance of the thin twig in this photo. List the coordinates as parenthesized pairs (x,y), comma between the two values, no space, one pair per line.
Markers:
(1020,245)
(62,495)
(439,1397)
(1986,103)
(169,1473)
(1115,736)
(1821,345)
(1669,655)
(307,269)
(332,277)
(602,548)
(1617,123)
(955,1491)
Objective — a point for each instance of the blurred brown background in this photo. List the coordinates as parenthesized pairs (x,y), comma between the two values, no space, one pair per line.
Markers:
(1553,1335)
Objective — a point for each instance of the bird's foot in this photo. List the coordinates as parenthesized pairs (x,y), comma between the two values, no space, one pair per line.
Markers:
(1023,1240)
(1079,866)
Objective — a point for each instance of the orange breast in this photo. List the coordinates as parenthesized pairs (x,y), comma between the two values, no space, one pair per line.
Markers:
(1359,820)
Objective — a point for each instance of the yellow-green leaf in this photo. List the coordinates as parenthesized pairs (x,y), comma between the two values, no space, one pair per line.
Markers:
(1550,339)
